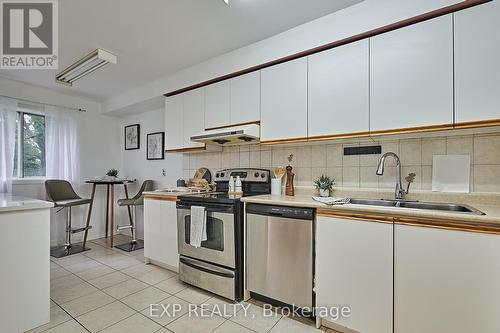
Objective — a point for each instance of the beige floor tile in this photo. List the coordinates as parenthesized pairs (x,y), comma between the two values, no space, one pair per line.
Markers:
(69,293)
(83,266)
(144,298)
(138,269)
(84,304)
(105,316)
(95,272)
(155,276)
(123,263)
(57,316)
(194,295)
(134,324)
(231,327)
(172,285)
(71,326)
(195,324)
(288,325)
(58,272)
(71,260)
(65,281)
(125,288)
(52,303)
(167,311)
(109,280)
(222,307)
(253,318)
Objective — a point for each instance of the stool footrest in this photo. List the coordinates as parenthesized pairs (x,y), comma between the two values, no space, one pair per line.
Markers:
(74,231)
(123,227)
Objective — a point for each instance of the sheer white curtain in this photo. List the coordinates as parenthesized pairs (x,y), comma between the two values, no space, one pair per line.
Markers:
(61,144)
(8,113)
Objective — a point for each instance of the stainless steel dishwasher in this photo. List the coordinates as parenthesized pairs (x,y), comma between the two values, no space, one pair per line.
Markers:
(280,262)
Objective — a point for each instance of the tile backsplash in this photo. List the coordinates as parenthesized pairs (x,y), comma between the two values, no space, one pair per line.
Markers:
(358,171)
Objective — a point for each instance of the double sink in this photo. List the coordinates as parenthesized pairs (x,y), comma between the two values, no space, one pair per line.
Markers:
(446,207)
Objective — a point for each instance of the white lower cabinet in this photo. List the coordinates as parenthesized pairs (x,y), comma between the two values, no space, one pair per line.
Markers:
(160,232)
(354,266)
(446,281)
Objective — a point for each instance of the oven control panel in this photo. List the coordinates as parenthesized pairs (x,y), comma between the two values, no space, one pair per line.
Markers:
(246,175)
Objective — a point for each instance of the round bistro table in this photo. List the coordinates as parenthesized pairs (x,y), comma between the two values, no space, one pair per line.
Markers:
(110,198)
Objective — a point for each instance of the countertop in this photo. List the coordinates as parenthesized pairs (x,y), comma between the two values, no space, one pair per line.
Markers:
(9,203)
(491,219)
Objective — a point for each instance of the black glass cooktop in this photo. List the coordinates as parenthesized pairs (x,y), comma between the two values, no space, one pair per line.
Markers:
(218,197)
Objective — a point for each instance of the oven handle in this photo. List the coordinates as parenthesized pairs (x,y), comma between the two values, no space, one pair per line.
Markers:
(199,266)
(209,208)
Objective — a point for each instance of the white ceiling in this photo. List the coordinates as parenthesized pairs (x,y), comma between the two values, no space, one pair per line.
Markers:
(155,38)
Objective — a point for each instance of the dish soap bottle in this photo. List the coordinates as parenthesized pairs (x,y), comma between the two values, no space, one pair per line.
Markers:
(231,184)
(238,187)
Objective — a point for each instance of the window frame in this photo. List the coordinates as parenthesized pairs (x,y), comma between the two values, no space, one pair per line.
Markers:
(21,177)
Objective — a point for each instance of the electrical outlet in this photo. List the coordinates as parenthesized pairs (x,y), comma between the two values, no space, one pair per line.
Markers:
(164,172)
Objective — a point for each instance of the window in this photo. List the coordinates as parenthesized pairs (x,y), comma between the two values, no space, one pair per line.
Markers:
(30,145)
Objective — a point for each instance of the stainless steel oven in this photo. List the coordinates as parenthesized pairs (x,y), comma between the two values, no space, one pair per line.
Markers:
(219,246)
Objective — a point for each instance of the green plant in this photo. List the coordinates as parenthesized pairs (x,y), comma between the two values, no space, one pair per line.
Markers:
(324,183)
(112,173)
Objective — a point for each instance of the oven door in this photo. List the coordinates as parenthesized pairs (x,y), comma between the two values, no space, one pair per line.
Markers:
(219,246)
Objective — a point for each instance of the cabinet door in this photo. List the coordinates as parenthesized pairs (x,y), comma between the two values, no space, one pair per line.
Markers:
(446,281)
(174,138)
(152,224)
(169,233)
(411,76)
(338,90)
(477,54)
(193,116)
(354,268)
(217,104)
(284,101)
(245,98)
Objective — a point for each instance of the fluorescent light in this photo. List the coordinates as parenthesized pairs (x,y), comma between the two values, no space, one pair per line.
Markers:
(85,66)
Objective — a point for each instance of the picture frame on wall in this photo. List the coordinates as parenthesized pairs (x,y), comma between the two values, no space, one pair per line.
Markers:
(132,137)
(155,146)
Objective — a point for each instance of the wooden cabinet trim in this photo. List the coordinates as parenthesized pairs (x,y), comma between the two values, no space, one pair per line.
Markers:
(448,225)
(475,124)
(160,197)
(353,216)
(234,125)
(374,32)
(186,150)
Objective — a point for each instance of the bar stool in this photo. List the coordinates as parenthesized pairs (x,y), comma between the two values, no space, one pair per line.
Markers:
(62,194)
(137,200)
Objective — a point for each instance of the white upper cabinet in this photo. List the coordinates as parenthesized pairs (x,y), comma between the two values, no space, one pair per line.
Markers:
(284,101)
(446,281)
(477,63)
(193,116)
(174,138)
(338,95)
(245,98)
(217,104)
(354,265)
(411,76)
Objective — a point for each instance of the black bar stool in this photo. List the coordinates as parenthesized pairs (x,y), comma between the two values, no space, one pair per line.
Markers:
(62,194)
(137,200)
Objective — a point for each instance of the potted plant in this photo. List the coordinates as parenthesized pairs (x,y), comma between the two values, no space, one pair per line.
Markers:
(325,185)
(112,174)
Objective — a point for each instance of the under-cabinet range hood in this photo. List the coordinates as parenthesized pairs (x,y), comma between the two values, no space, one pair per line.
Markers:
(231,136)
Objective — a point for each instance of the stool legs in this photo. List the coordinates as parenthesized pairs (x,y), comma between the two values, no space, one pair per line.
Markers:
(68,248)
(134,244)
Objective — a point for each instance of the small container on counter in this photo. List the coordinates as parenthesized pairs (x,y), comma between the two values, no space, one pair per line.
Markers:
(276,186)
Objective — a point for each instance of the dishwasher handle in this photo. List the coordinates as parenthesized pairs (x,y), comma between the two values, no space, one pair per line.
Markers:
(281,211)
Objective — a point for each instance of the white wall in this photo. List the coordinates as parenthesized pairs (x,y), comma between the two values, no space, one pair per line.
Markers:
(135,164)
(100,150)
(359,18)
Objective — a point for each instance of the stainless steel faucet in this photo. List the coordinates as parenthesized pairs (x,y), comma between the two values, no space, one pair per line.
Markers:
(399,193)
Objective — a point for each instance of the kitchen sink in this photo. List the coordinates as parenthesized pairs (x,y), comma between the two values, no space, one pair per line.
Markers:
(446,207)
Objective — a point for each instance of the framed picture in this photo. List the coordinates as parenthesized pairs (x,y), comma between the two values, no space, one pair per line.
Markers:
(132,137)
(156,146)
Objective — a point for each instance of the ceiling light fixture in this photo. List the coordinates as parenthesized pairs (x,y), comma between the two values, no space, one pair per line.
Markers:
(226,1)
(86,65)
